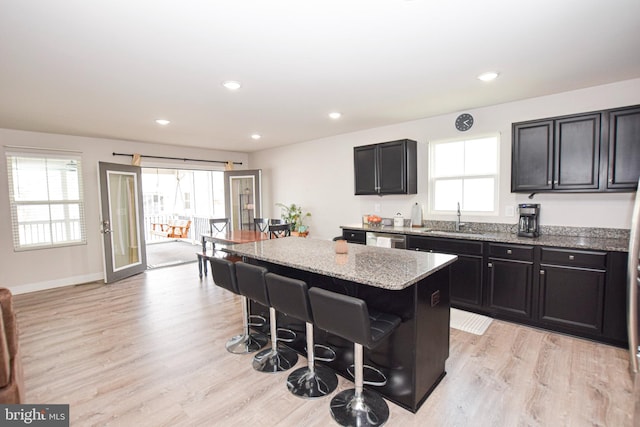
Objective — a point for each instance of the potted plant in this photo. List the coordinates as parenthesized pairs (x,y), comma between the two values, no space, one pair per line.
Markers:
(294,215)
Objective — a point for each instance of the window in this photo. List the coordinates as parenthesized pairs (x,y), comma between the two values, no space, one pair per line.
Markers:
(45,196)
(464,172)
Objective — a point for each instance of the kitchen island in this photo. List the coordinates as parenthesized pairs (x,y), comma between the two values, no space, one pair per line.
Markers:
(408,365)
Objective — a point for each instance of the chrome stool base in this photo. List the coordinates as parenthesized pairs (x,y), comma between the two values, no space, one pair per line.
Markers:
(319,383)
(243,344)
(272,361)
(368,410)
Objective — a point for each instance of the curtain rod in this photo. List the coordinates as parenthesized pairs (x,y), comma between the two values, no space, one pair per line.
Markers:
(177,158)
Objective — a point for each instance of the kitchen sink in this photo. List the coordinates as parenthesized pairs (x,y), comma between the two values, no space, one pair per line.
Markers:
(453,233)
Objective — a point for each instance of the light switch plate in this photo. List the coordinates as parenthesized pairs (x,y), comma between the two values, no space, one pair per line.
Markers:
(509,211)
(376,207)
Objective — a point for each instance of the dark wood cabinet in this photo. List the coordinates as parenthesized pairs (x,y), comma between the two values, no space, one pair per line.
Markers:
(510,280)
(590,152)
(532,168)
(571,289)
(560,154)
(465,287)
(386,168)
(576,160)
(355,236)
(624,148)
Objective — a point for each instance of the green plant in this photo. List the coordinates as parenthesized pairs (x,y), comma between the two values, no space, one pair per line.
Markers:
(293,215)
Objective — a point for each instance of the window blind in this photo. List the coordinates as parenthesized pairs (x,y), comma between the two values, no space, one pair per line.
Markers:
(46,199)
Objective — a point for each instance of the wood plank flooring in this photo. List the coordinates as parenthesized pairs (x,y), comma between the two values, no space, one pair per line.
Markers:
(149,351)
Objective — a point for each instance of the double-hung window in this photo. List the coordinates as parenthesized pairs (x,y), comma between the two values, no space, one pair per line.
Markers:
(464,172)
(46,200)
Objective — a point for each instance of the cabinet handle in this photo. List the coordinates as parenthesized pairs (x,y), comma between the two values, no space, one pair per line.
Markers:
(548,182)
(542,272)
(571,257)
(610,180)
(490,264)
(555,182)
(508,251)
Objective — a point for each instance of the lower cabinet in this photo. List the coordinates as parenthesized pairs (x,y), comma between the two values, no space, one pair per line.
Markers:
(578,292)
(465,277)
(510,280)
(572,289)
(510,287)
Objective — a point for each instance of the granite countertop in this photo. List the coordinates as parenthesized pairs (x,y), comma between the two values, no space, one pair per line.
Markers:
(386,268)
(595,241)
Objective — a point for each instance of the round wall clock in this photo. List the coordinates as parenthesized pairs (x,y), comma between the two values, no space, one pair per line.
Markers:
(464,122)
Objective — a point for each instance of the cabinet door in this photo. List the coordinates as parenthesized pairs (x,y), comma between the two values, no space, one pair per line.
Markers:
(624,149)
(465,280)
(532,153)
(577,153)
(365,167)
(510,287)
(392,167)
(571,298)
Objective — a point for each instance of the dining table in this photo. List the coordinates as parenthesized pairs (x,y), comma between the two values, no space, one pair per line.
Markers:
(230,237)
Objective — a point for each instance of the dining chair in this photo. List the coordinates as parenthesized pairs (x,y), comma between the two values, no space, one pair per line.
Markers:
(279,230)
(217,225)
(261,224)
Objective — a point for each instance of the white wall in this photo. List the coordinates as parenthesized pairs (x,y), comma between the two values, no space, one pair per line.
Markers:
(47,268)
(319,174)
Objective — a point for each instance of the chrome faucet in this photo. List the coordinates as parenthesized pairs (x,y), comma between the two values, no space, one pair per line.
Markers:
(459,224)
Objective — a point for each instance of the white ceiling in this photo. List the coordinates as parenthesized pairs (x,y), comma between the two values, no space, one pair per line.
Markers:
(110,68)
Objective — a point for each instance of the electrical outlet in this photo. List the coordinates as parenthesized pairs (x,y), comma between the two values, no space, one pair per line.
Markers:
(376,208)
(509,211)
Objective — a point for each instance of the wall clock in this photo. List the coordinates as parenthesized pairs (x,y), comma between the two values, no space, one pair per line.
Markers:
(464,122)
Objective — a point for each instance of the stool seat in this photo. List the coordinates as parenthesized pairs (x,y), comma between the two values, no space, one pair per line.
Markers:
(290,296)
(252,284)
(349,317)
(224,275)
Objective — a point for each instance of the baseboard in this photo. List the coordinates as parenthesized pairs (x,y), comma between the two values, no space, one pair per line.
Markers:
(52,284)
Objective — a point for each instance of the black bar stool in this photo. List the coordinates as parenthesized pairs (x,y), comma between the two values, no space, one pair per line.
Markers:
(349,318)
(290,296)
(224,275)
(251,282)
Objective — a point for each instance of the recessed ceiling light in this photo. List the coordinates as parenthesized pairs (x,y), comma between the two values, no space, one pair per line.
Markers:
(335,115)
(488,76)
(162,122)
(232,85)
(256,136)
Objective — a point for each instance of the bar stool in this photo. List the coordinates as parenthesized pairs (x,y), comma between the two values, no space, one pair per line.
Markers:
(224,275)
(251,282)
(290,296)
(349,318)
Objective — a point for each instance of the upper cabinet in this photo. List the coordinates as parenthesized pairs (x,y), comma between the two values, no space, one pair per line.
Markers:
(598,151)
(386,168)
(624,148)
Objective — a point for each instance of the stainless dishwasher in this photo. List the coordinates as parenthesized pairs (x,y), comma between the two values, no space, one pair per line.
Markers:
(388,240)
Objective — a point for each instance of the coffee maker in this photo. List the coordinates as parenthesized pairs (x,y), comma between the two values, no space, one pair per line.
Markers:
(528,225)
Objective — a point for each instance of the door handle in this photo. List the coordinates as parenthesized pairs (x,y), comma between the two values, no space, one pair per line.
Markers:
(106,227)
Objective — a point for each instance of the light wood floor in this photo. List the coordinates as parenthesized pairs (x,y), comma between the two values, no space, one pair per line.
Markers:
(149,351)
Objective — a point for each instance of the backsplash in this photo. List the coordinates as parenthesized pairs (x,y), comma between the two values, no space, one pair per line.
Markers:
(549,230)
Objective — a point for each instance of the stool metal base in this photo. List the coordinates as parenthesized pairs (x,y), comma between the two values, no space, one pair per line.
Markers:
(272,361)
(369,410)
(319,383)
(243,344)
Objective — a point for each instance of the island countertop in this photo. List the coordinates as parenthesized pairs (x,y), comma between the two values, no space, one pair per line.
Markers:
(392,269)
